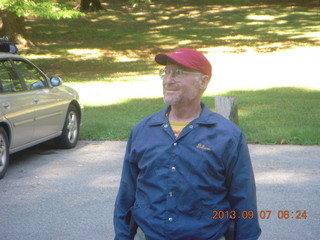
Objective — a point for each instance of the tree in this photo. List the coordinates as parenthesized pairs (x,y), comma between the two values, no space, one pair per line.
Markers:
(12,13)
(13,27)
(90,5)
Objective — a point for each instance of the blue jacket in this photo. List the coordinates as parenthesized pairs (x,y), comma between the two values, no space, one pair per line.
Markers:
(187,188)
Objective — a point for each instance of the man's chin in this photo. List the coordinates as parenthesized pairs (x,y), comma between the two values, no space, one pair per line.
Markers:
(169,101)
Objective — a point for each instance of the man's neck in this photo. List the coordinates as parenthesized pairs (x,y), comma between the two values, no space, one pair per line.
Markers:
(184,113)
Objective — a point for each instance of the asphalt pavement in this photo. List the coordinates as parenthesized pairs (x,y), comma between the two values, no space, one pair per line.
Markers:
(69,194)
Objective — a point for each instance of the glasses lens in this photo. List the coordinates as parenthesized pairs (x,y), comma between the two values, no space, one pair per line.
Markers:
(163,73)
(179,73)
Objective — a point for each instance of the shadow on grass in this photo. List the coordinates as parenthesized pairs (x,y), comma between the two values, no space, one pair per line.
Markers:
(269,116)
(121,38)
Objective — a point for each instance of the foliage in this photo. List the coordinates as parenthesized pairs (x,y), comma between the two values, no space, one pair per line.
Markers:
(41,8)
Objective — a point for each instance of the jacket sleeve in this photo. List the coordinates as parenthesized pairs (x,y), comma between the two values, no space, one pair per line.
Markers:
(242,192)
(124,225)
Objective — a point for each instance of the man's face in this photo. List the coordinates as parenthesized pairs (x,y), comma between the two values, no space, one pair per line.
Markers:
(183,89)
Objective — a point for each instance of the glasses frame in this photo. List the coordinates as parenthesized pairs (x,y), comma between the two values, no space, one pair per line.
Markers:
(176,74)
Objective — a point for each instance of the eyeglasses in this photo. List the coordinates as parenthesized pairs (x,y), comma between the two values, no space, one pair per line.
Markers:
(177,74)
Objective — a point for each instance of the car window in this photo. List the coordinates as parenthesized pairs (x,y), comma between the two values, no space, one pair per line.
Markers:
(31,76)
(9,80)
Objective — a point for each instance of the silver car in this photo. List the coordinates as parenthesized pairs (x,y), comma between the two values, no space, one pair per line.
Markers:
(33,107)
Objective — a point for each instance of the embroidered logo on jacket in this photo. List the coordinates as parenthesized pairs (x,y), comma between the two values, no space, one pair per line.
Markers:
(202,146)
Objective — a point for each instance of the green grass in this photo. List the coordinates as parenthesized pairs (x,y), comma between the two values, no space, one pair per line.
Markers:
(136,34)
(122,41)
(114,122)
(270,116)
(280,115)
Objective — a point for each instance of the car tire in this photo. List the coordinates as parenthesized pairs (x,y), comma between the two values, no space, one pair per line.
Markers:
(4,152)
(70,131)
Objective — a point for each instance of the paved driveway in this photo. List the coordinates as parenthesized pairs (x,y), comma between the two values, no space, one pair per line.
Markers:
(69,194)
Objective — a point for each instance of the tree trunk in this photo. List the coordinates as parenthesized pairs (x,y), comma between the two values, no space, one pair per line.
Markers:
(13,27)
(90,5)
(84,5)
(227,107)
(96,5)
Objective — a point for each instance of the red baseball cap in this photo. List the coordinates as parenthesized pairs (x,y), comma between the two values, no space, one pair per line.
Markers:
(188,58)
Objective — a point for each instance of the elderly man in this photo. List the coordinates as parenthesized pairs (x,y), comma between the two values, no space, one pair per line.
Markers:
(187,173)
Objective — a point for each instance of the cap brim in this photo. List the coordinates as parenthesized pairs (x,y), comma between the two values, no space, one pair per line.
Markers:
(161,58)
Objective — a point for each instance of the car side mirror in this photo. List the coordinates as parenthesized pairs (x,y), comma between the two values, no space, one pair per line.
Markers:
(55,81)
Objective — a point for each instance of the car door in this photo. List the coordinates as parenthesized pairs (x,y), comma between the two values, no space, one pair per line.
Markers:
(48,105)
(17,105)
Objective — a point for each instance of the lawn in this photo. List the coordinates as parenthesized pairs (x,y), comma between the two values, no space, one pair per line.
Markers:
(122,40)
(119,43)
(268,116)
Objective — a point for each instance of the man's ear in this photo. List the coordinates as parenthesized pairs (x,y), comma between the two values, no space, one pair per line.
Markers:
(204,81)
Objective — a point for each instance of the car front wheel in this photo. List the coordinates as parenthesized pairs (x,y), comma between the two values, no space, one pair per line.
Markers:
(4,152)
(70,132)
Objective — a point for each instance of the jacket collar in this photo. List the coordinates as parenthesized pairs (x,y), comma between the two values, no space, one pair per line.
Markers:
(206,117)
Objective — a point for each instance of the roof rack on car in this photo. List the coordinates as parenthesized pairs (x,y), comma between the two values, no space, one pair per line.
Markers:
(6,46)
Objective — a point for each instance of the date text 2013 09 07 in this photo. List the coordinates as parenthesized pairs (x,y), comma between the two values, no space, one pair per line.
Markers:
(263,214)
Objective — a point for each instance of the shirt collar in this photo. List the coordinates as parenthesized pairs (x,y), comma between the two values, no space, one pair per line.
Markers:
(206,117)
(159,118)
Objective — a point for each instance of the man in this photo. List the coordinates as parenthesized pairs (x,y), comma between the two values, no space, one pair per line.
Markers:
(187,173)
